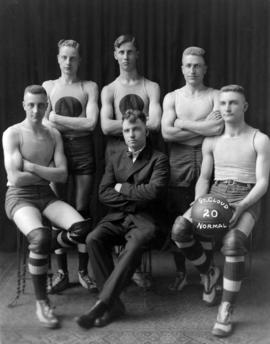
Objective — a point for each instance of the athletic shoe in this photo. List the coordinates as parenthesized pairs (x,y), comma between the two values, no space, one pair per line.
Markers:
(45,314)
(87,282)
(209,281)
(180,281)
(60,282)
(223,326)
(142,280)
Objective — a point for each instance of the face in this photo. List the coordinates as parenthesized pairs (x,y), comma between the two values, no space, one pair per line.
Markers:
(126,55)
(232,106)
(35,106)
(134,134)
(68,60)
(193,69)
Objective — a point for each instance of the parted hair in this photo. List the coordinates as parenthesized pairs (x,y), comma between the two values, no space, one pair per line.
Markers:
(132,116)
(69,43)
(124,39)
(197,51)
(233,88)
(35,89)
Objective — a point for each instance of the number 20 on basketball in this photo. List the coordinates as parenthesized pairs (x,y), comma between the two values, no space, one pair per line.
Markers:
(208,213)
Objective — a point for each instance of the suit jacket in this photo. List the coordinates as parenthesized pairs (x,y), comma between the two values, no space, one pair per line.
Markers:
(144,187)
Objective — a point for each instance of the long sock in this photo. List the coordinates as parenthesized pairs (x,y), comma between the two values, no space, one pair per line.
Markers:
(61,259)
(207,245)
(233,274)
(38,268)
(83,257)
(179,260)
(194,252)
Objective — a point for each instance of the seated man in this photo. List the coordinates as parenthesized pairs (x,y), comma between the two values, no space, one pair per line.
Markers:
(240,161)
(133,187)
(34,157)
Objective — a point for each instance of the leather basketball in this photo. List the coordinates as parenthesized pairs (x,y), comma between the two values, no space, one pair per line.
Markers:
(211,215)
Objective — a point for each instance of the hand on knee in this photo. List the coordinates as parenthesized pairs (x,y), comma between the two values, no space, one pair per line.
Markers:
(40,240)
(234,243)
(182,230)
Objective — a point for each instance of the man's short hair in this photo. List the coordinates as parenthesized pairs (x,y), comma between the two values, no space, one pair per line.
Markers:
(234,88)
(197,51)
(133,115)
(35,89)
(125,39)
(69,43)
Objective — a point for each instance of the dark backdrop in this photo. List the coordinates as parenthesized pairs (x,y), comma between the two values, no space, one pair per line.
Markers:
(235,34)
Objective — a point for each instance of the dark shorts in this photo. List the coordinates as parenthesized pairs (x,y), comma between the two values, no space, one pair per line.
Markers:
(234,192)
(185,164)
(38,196)
(80,154)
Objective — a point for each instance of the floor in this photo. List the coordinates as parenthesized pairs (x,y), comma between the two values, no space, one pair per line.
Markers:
(156,316)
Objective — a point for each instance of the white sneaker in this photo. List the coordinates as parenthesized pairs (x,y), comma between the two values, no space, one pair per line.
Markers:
(87,282)
(143,280)
(45,314)
(179,282)
(209,281)
(223,326)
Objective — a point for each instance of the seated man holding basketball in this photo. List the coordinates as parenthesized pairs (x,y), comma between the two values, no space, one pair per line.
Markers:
(239,159)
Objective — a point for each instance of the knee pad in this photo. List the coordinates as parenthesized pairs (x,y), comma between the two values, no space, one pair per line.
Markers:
(79,231)
(182,230)
(40,240)
(234,243)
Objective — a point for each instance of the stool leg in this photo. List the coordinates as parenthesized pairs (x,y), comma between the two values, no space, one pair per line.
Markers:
(14,301)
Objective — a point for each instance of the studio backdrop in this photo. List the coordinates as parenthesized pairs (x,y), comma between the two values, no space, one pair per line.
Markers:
(234,33)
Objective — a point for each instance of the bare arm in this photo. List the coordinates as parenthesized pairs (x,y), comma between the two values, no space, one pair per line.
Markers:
(109,125)
(262,146)
(14,162)
(87,123)
(203,183)
(154,115)
(57,172)
(169,131)
(211,126)
(48,85)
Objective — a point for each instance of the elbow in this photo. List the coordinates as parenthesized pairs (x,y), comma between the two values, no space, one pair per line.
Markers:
(165,135)
(62,178)
(105,129)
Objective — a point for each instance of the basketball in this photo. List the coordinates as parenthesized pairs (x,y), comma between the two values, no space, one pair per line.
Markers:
(211,215)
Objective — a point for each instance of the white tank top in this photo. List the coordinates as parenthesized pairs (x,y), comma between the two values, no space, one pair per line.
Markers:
(235,157)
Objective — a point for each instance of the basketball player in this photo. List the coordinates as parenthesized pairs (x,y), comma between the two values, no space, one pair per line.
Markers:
(240,161)
(190,113)
(74,112)
(129,90)
(34,157)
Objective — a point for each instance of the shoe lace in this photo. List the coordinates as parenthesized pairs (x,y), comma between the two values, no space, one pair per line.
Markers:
(58,278)
(86,278)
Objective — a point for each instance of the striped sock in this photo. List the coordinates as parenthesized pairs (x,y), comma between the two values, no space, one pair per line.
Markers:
(194,252)
(232,277)
(38,268)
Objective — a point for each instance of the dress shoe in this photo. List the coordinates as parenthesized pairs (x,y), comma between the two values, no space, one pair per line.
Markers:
(87,320)
(116,311)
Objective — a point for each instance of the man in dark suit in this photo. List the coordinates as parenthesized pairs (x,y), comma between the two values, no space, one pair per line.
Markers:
(133,187)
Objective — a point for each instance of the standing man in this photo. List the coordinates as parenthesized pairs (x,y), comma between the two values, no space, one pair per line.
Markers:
(190,113)
(133,187)
(74,112)
(239,159)
(34,157)
(129,90)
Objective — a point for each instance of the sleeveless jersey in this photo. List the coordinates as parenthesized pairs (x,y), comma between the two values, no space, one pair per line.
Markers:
(140,99)
(235,157)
